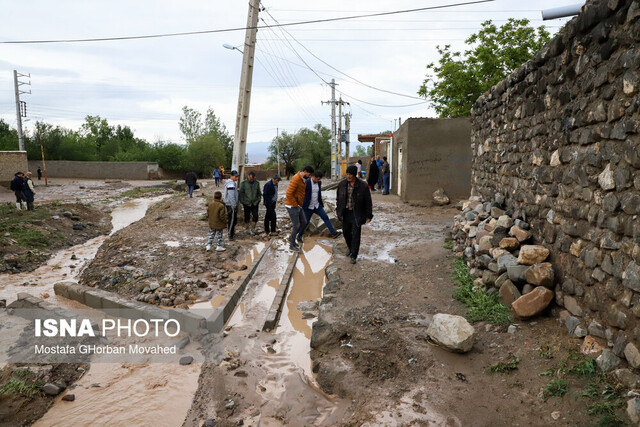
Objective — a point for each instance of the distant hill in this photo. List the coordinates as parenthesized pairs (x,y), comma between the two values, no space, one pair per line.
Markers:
(258,151)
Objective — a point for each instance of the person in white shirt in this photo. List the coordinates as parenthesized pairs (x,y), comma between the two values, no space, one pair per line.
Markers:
(313,203)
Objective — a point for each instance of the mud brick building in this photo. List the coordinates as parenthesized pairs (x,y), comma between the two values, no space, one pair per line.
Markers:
(560,139)
(428,154)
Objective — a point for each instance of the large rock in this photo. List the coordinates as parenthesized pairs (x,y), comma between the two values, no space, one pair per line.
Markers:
(509,243)
(440,198)
(505,222)
(540,274)
(631,277)
(633,410)
(516,273)
(509,293)
(632,355)
(520,234)
(51,389)
(506,261)
(452,332)
(607,360)
(485,245)
(532,254)
(533,303)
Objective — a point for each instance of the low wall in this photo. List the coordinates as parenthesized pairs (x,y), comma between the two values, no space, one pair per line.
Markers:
(10,163)
(98,170)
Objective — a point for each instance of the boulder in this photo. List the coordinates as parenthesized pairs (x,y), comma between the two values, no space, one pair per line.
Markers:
(505,221)
(452,332)
(516,273)
(632,355)
(633,410)
(509,243)
(533,303)
(484,245)
(591,346)
(540,275)
(519,233)
(509,293)
(51,389)
(506,261)
(607,360)
(532,254)
(440,198)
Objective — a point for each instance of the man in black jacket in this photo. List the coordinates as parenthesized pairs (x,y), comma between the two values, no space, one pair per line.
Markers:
(18,185)
(270,196)
(354,208)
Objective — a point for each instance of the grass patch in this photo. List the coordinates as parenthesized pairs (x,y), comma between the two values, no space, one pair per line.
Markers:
(545,352)
(504,367)
(604,408)
(448,245)
(482,306)
(556,388)
(140,191)
(585,368)
(591,390)
(20,387)
(609,420)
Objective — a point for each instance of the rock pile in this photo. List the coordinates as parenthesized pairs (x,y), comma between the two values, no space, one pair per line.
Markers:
(497,246)
(179,293)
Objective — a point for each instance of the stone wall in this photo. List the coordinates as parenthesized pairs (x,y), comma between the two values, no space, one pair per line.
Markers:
(99,170)
(559,139)
(10,163)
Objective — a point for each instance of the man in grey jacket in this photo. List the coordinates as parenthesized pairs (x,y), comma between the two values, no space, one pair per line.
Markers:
(231,200)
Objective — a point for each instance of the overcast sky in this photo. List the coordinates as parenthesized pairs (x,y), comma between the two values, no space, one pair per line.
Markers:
(145,83)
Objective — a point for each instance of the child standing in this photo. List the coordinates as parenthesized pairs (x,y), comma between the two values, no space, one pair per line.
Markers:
(217,213)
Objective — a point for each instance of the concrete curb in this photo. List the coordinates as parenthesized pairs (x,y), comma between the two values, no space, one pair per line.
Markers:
(276,307)
(27,306)
(216,321)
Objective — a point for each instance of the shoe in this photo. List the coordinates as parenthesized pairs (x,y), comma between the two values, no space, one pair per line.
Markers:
(207,248)
(220,249)
(300,240)
(348,252)
(294,248)
(353,260)
(334,235)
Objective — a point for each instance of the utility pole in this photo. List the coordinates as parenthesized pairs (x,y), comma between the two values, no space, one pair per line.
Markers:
(278,148)
(339,174)
(244,98)
(334,174)
(21,108)
(347,126)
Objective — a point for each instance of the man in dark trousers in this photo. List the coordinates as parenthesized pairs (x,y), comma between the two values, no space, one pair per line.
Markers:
(354,209)
(313,203)
(39,173)
(18,185)
(190,179)
(270,196)
(250,196)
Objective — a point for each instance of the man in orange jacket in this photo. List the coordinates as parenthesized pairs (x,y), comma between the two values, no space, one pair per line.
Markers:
(293,203)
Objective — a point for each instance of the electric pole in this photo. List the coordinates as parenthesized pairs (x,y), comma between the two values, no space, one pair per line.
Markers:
(347,125)
(339,174)
(21,107)
(244,98)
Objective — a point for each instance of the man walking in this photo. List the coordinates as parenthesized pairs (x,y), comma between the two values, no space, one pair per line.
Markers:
(190,179)
(354,208)
(250,196)
(313,203)
(39,173)
(293,203)
(231,202)
(270,196)
(216,176)
(385,175)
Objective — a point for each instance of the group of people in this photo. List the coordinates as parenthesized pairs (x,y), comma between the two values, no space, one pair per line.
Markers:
(379,174)
(22,186)
(303,199)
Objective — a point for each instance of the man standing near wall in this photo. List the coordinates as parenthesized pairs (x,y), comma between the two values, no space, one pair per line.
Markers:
(385,176)
(379,162)
(293,203)
(231,202)
(354,209)
(18,185)
(250,196)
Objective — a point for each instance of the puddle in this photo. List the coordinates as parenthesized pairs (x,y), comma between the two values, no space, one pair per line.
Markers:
(381,255)
(128,394)
(61,266)
(306,285)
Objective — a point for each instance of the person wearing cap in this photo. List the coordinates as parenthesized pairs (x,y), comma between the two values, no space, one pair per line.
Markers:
(270,196)
(313,202)
(250,195)
(231,200)
(17,186)
(354,209)
(293,203)
(29,191)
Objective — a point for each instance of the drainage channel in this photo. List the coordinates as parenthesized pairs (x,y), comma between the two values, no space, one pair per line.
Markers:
(278,362)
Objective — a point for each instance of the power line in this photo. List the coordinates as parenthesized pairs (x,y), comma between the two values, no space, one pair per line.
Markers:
(225,30)
(335,69)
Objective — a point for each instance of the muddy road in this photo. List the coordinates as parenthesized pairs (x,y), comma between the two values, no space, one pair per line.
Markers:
(371,362)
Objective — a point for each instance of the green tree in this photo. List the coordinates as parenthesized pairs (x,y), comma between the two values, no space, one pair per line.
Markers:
(98,133)
(170,157)
(8,137)
(193,127)
(205,152)
(190,124)
(455,82)
(316,148)
(288,148)
(361,151)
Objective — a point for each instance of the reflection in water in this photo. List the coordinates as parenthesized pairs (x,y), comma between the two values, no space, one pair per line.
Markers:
(306,285)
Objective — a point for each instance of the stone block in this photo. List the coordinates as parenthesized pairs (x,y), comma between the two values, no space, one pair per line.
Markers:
(532,254)
(540,275)
(509,293)
(533,303)
(454,333)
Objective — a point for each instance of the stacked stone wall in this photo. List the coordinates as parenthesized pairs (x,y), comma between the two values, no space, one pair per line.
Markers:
(560,140)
